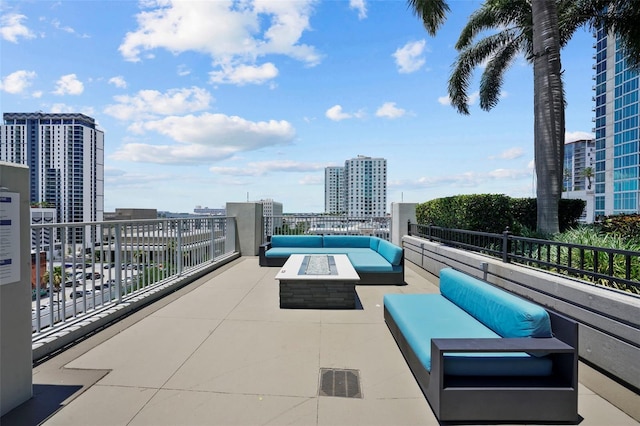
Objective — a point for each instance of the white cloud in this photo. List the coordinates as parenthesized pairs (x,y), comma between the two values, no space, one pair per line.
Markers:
(261,168)
(17,81)
(578,135)
(203,138)
(465,179)
(409,58)
(183,70)
(360,6)
(118,81)
(509,154)
(152,103)
(69,85)
(11,27)
(473,98)
(234,34)
(444,100)
(244,74)
(389,110)
(335,113)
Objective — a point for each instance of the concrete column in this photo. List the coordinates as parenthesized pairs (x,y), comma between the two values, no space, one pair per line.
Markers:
(401,213)
(250,226)
(15,287)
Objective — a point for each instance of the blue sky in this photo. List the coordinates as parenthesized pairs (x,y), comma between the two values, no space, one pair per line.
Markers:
(205,102)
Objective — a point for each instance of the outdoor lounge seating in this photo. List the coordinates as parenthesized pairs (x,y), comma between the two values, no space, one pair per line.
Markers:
(376,261)
(482,354)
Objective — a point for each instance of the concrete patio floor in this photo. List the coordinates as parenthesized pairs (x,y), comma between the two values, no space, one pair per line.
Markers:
(221,352)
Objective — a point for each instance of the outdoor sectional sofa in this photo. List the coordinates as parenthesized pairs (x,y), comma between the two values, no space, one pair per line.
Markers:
(481,354)
(376,261)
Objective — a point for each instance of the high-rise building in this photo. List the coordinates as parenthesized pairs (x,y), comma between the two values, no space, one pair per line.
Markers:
(617,174)
(65,155)
(358,189)
(334,190)
(579,172)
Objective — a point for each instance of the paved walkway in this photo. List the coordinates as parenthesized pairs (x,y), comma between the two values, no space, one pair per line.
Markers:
(222,352)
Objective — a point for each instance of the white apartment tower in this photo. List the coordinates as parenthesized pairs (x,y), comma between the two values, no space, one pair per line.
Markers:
(334,191)
(358,189)
(65,155)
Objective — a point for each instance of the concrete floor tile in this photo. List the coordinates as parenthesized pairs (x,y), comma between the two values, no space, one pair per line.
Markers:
(103,405)
(335,411)
(370,349)
(205,303)
(178,407)
(599,412)
(270,358)
(147,354)
(263,304)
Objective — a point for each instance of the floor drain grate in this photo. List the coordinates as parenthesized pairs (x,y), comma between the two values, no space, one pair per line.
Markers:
(337,382)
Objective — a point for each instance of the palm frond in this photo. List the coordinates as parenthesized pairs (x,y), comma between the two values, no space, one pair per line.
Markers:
(495,14)
(473,56)
(493,75)
(432,12)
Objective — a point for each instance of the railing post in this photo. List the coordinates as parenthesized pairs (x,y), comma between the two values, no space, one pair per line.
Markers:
(179,248)
(118,260)
(506,245)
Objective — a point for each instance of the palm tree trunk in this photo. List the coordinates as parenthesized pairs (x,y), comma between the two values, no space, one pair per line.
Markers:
(548,113)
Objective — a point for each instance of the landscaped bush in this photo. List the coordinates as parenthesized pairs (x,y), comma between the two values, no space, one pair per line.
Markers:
(625,226)
(590,236)
(492,213)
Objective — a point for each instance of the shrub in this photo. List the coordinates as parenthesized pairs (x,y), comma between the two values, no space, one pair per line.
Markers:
(492,213)
(624,226)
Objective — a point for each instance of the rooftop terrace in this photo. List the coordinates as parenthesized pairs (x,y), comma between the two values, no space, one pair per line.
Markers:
(221,351)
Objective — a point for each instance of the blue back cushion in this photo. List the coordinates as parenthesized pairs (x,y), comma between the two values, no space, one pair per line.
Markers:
(296,241)
(346,241)
(390,251)
(504,313)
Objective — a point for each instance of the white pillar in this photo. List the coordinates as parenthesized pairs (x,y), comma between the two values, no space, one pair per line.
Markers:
(249,224)
(401,214)
(15,287)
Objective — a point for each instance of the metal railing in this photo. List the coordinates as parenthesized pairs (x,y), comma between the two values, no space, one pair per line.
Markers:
(326,225)
(611,268)
(85,267)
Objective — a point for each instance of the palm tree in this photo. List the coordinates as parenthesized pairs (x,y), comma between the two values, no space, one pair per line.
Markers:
(587,172)
(538,29)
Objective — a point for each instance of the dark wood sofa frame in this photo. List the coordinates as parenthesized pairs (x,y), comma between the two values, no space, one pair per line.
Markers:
(460,399)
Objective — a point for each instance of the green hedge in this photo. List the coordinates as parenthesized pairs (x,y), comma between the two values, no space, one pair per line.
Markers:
(492,213)
(624,225)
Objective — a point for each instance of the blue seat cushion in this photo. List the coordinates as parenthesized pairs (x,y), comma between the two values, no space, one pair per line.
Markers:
(288,251)
(346,241)
(296,241)
(506,314)
(390,251)
(422,317)
(367,260)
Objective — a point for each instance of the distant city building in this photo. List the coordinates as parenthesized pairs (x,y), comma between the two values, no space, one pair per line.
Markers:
(272,213)
(65,155)
(131,214)
(210,212)
(362,191)
(579,172)
(617,174)
(334,190)
(43,238)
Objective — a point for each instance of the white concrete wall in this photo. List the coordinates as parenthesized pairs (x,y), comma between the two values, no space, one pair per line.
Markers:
(15,291)
(250,226)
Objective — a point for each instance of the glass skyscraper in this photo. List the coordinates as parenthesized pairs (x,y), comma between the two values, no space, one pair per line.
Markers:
(616,129)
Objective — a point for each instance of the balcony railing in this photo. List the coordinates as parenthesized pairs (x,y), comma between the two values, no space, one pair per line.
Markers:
(86,267)
(611,268)
(326,225)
